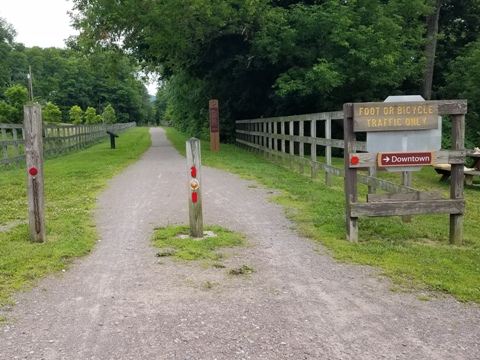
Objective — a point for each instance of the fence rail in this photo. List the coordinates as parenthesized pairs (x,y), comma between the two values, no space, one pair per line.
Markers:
(298,139)
(56,139)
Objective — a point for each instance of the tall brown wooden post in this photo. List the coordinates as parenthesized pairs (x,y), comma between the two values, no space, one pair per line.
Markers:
(350,174)
(457,174)
(195,186)
(35,183)
(214,125)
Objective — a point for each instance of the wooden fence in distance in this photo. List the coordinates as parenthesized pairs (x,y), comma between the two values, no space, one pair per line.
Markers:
(56,139)
(298,139)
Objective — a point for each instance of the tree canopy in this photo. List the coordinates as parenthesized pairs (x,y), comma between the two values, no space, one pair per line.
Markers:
(67,78)
(270,57)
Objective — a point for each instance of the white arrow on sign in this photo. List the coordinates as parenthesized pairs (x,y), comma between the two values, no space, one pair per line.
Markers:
(386,159)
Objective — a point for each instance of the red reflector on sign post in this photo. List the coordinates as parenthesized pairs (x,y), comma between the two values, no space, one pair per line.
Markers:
(193,171)
(194,197)
(33,171)
(354,160)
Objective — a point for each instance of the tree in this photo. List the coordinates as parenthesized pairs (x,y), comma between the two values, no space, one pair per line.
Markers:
(263,57)
(463,84)
(17,97)
(430,49)
(51,114)
(160,104)
(90,116)
(76,115)
(459,26)
(7,37)
(108,115)
(6,112)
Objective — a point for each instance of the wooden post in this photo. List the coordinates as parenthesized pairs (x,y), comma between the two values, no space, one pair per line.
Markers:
(301,150)
(214,125)
(406,181)
(195,188)
(292,144)
(351,193)
(274,141)
(313,150)
(456,182)
(35,183)
(328,150)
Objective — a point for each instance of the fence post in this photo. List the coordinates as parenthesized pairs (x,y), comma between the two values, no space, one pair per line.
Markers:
(35,183)
(351,187)
(195,185)
(328,150)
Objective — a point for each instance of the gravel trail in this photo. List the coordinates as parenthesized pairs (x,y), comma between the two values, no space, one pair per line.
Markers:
(123,302)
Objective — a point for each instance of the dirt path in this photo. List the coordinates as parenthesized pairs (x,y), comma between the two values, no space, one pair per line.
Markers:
(122,302)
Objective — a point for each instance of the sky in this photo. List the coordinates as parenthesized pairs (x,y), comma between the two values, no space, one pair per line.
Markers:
(39,22)
(43,23)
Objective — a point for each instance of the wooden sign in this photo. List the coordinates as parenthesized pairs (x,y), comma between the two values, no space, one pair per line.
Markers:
(405,158)
(214,125)
(390,116)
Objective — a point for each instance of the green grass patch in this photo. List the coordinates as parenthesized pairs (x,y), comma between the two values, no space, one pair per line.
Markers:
(242,270)
(72,183)
(176,242)
(414,255)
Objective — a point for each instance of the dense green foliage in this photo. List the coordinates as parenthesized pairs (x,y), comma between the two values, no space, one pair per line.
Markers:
(67,78)
(282,57)
(51,114)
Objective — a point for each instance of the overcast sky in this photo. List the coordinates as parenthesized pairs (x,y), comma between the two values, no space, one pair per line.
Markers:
(43,23)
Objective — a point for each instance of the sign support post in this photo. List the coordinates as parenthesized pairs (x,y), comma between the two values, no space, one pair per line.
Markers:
(195,195)
(214,125)
(35,182)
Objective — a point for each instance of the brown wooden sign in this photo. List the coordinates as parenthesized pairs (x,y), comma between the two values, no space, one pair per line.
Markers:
(214,116)
(405,158)
(384,116)
(214,125)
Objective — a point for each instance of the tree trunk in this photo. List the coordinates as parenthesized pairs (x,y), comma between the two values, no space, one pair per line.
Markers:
(430,50)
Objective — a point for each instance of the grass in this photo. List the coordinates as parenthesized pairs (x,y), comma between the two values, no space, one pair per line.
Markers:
(415,255)
(242,270)
(72,183)
(175,242)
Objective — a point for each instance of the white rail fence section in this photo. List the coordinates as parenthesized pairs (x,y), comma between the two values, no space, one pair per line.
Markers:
(56,139)
(298,140)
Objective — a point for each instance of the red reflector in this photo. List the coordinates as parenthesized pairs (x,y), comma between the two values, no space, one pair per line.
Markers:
(194,197)
(354,160)
(33,171)
(193,171)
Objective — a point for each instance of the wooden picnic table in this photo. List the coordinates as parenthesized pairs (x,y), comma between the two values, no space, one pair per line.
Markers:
(476,159)
(445,171)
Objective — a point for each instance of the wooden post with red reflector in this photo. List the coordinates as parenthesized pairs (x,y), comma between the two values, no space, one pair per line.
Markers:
(35,183)
(194,188)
